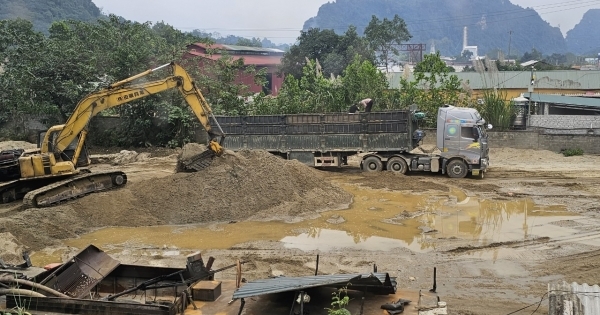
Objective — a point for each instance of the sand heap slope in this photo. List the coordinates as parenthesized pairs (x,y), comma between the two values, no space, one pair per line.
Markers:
(237,186)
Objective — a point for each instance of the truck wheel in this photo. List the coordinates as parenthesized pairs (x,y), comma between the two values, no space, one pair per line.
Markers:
(372,164)
(480,175)
(397,165)
(457,169)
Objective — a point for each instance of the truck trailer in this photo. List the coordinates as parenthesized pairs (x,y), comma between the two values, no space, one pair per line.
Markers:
(384,140)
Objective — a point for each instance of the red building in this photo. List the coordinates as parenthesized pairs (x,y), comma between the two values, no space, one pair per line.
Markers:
(268,58)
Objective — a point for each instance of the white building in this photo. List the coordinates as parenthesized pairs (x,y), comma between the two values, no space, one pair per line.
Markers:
(466,47)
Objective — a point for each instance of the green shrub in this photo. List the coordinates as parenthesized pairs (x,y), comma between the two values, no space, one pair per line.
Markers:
(572,152)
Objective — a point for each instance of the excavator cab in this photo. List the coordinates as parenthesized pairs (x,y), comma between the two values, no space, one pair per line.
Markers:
(83,159)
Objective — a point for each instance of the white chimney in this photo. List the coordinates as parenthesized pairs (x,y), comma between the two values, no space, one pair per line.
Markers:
(464,38)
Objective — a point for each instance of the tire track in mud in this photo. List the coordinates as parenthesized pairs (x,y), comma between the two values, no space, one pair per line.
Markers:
(575,238)
(507,173)
(509,244)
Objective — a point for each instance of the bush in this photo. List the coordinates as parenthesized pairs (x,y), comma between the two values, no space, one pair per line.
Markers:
(572,152)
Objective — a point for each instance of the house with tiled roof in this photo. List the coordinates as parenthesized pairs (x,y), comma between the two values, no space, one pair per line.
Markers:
(258,57)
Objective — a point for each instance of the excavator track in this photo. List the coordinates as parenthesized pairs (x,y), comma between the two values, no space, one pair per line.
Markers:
(74,187)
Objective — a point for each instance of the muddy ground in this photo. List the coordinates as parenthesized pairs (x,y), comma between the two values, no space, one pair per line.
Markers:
(476,275)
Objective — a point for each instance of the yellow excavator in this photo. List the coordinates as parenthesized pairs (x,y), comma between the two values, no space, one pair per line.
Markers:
(55,172)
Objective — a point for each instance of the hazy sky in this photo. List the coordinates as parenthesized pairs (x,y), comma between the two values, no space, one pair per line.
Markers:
(281,20)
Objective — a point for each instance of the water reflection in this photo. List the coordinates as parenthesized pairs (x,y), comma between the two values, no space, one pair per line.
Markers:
(377,220)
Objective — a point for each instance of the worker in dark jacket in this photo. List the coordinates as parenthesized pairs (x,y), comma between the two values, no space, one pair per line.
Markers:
(353,109)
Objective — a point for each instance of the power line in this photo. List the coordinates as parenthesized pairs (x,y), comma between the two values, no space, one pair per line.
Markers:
(530,305)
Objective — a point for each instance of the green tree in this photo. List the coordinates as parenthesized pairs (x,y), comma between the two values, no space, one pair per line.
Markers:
(493,105)
(533,55)
(51,74)
(19,46)
(251,42)
(433,86)
(363,80)
(316,93)
(384,36)
(465,56)
(350,47)
(556,59)
(334,52)
(506,66)
(312,93)
(312,44)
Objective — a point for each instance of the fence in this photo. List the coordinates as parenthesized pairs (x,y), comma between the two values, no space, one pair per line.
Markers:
(573,299)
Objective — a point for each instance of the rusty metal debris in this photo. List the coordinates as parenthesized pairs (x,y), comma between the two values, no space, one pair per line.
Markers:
(92,281)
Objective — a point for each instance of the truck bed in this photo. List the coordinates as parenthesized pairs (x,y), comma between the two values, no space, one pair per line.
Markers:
(320,133)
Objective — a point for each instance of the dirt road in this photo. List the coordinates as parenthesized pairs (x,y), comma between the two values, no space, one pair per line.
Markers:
(496,242)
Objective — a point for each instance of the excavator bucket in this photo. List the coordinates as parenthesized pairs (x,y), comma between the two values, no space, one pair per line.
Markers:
(198,157)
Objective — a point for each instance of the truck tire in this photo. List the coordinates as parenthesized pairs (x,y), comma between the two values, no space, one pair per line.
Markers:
(397,165)
(457,169)
(372,164)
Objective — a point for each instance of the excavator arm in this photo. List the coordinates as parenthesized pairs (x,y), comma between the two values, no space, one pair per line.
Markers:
(59,138)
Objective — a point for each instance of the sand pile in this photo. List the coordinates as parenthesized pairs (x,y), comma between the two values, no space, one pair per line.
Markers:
(237,186)
(121,158)
(10,145)
(11,251)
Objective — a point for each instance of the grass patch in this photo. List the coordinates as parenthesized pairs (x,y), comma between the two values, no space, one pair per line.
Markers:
(572,152)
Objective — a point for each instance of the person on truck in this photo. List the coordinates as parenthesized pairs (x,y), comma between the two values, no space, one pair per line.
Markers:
(366,105)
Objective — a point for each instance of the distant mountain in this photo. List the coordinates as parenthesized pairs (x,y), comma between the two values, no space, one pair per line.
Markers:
(584,38)
(43,12)
(489,23)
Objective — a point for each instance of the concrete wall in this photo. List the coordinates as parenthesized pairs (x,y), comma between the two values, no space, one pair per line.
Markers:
(566,124)
(536,140)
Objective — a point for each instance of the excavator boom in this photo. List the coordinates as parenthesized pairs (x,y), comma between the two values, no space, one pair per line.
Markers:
(123,92)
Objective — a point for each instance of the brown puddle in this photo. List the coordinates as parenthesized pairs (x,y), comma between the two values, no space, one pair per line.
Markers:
(377,220)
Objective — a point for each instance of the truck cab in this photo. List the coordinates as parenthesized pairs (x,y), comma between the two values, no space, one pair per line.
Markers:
(462,136)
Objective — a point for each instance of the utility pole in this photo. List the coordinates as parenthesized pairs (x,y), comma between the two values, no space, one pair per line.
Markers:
(530,90)
(509,39)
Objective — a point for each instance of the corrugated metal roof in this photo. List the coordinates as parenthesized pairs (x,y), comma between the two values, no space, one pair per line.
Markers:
(556,80)
(589,296)
(249,48)
(256,60)
(237,48)
(386,284)
(565,100)
(529,63)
